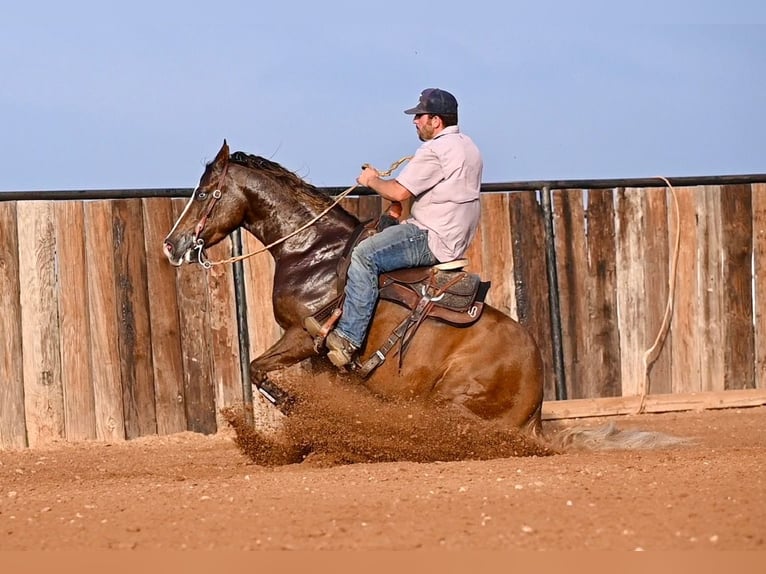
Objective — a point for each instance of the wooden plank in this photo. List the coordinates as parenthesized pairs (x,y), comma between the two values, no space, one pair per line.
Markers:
(630,254)
(759,287)
(79,400)
(659,237)
(613,406)
(586,269)
(264,331)
(497,258)
(530,277)
(737,289)
(572,274)
(686,365)
(134,335)
(102,303)
(167,361)
(368,207)
(475,251)
(43,390)
(350,204)
(199,392)
(710,320)
(13,432)
(259,280)
(224,337)
(601,369)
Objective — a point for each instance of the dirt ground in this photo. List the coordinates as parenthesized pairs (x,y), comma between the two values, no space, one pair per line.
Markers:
(189,491)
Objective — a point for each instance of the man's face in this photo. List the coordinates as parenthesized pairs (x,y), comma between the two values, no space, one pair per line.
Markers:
(426,125)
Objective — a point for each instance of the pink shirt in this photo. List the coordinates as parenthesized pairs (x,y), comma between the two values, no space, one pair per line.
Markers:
(444,175)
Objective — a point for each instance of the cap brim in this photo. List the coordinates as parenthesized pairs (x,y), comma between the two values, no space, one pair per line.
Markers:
(414,111)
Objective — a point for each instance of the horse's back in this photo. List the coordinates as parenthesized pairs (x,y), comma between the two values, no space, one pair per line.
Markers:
(493,368)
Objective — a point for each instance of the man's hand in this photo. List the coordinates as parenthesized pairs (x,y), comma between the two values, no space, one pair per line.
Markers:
(389,189)
(368,175)
(395,210)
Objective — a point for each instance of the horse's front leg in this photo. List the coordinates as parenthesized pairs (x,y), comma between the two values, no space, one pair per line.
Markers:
(294,346)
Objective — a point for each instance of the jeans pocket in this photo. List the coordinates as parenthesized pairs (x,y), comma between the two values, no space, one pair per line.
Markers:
(421,250)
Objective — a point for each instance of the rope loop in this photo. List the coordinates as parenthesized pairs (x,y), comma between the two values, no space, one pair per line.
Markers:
(653,352)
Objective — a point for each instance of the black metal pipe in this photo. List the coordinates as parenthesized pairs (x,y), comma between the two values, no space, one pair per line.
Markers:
(622,182)
(361,191)
(593,183)
(242,328)
(71,194)
(553,295)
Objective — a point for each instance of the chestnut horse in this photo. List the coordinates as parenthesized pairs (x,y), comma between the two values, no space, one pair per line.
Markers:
(492,369)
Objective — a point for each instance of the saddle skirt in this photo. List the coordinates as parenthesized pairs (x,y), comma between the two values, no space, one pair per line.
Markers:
(455,296)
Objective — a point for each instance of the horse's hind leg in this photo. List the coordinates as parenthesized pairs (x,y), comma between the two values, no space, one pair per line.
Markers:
(294,346)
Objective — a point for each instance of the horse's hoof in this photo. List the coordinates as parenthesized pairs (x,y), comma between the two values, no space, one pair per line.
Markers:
(276,396)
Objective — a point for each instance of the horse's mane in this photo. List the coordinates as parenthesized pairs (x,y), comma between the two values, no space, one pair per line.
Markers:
(278,173)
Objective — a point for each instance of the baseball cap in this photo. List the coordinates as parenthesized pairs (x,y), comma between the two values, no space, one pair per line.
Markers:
(435,101)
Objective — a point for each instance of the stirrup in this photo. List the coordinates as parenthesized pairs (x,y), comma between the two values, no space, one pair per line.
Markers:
(320,330)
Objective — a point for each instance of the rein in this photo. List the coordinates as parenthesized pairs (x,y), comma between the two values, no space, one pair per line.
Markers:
(199,244)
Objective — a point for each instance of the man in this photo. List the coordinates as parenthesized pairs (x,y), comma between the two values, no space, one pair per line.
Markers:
(443,178)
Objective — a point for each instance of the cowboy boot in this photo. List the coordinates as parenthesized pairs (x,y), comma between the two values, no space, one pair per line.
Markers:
(341,351)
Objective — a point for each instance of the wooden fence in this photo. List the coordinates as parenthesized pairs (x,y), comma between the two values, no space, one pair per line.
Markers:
(102,339)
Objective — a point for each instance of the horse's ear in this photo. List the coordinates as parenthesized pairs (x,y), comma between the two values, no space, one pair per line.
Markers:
(223,153)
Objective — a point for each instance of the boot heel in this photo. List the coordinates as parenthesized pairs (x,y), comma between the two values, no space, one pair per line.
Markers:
(338,358)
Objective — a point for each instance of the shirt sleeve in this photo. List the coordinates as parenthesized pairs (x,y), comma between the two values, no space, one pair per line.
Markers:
(422,172)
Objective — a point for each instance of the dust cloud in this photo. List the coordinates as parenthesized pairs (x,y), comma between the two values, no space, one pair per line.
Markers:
(336,422)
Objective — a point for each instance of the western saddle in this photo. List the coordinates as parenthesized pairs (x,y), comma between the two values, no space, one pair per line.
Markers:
(443,292)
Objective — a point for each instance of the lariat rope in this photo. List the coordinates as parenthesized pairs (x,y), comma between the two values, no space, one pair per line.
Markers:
(651,354)
(207,264)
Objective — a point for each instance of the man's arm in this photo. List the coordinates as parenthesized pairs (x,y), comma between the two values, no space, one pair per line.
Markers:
(389,189)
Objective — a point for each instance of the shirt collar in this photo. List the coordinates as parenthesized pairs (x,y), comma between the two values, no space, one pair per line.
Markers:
(448,130)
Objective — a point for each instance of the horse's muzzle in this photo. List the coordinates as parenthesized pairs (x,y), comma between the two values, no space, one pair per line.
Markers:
(168,249)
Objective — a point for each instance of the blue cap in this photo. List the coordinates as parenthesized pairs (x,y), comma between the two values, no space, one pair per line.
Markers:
(436,102)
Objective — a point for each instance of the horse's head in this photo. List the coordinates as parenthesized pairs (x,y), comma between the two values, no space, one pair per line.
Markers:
(216,208)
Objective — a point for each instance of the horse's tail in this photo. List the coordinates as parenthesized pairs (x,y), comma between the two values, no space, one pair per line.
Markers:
(609,437)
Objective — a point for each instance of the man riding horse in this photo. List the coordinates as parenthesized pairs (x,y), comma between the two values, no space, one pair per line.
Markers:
(443,178)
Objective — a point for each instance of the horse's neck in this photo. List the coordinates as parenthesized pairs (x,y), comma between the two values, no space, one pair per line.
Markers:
(291,229)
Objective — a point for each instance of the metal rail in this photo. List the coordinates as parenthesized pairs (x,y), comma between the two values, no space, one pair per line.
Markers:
(361,191)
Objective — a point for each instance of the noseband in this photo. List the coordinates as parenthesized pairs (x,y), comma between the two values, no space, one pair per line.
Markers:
(199,243)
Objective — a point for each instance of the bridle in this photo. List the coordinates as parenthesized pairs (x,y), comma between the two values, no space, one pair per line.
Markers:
(199,243)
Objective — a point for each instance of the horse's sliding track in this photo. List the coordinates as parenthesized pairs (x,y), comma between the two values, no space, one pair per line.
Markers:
(196,491)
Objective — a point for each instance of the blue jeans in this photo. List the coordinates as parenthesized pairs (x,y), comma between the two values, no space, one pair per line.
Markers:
(396,247)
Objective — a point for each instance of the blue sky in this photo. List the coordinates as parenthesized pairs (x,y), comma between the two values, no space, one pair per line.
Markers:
(140,94)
